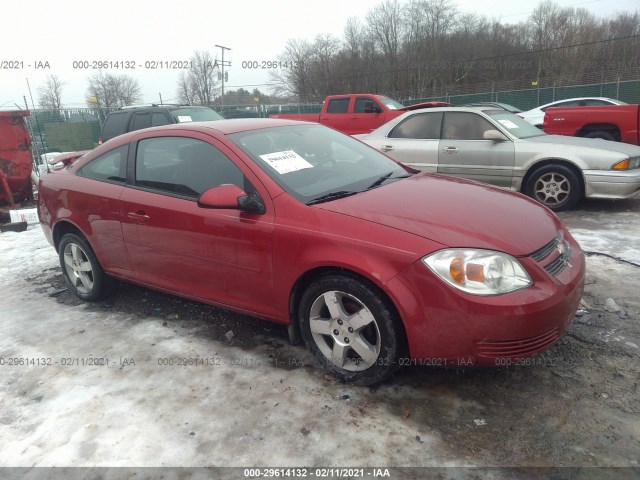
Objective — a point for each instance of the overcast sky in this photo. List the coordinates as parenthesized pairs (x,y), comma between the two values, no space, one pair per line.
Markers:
(63,31)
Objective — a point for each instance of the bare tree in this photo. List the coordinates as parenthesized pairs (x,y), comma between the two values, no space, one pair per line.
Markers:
(428,48)
(108,91)
(296,79)
(385,22)
(51,93)
(199,84)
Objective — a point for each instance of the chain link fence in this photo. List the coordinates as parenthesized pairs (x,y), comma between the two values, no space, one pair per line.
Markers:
(79,129)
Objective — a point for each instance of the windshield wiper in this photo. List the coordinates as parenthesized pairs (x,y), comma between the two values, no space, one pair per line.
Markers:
(384,177)
(331,196)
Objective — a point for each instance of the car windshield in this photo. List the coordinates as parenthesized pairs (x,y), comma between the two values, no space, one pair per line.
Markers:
(515,125)
(314,163)
(191,114)
(509,108)
(390,104)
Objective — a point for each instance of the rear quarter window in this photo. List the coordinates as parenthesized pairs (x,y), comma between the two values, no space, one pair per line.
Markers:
(109,167)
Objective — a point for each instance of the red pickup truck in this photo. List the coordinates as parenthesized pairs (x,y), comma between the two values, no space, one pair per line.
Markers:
(358,113)
(611,122)
(16,169)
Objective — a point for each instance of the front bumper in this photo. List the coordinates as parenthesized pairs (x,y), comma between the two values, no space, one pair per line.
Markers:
(445,326)
(611,183)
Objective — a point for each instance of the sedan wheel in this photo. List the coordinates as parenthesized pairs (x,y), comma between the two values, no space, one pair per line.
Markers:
(350,329)
(81,268)
(555,186)
(78,267)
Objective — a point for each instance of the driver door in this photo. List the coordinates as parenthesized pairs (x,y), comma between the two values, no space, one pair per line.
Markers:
(463,152)
(223,256)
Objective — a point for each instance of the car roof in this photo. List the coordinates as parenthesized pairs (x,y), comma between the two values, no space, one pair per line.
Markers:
(454,109)
(134,108)
(579,98)
(225,127)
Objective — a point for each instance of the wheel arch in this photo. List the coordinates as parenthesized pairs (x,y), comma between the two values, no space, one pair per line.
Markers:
(306,278)
(62,228)
(551,161)
(610,128)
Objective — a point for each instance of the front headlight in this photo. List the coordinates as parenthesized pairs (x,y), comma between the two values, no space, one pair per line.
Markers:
(479,272)
(627,164)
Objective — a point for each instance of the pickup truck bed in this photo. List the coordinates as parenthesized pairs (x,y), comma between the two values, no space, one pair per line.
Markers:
(610,122)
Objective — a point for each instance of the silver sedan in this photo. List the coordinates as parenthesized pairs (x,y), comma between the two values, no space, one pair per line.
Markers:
(497,147)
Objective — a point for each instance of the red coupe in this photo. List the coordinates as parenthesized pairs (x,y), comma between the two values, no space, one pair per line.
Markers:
(371,264)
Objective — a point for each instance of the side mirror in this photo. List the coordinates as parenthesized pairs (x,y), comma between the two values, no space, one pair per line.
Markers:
(494,135)
(252,203)
(231,197)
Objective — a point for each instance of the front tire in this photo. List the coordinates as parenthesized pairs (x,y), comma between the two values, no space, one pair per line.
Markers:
(81,269)
(351,329)
(555,186)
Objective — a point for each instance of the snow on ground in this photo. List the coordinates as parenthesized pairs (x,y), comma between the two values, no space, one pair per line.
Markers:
(235,407)
(238,410)
(614,234)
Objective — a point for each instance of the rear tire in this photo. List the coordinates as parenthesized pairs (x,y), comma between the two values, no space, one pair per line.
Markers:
(81,269)
(601,134)
(555,186)
(351,329)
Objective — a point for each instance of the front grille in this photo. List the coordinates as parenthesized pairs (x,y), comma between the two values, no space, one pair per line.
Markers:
(563,252)
(559,264)
(515,348)
(543,252)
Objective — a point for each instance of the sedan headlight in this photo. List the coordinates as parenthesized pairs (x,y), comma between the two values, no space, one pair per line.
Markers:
(479,272)
(627,164)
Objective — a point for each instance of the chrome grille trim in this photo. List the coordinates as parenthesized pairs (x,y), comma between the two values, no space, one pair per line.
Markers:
(544,252)
(559,264)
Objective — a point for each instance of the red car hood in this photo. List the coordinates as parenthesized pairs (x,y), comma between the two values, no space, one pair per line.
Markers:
(455,212)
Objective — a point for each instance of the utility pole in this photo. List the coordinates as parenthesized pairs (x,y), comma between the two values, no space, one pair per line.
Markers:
(223,48)
(160,93)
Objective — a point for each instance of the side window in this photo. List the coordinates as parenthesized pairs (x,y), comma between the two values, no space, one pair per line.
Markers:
(109,167)
(338,105)
(364,105)
(184,166)
(465,126)
(570,103)
(422,126)
(596,103)
(140,120)
(159,118)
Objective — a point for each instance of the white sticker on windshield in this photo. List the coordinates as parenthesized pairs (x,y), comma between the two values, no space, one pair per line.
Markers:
(508,123)
(184,118)
(285,162)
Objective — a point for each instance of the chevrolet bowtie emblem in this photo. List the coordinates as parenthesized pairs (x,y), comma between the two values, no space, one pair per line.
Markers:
(561,248)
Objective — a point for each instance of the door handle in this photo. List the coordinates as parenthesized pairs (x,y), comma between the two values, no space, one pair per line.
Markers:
(140,215)
(450,150)
(386,148)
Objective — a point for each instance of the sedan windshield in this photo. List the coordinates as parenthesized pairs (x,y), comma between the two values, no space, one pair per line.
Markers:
(515,125)
(191,114)
(315,164)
